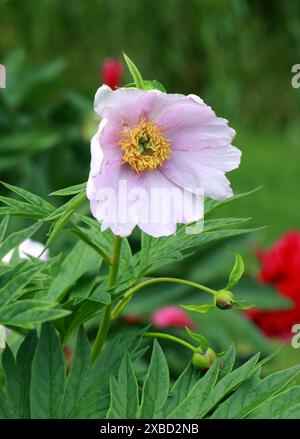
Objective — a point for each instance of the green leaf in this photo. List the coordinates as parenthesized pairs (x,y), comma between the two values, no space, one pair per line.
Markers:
(226,362)
(291,412)
(227,384)
(69,206)
(211,205)
(251,395)
(242,305)
(15,239)
(80,313)
(136,76)
(78,380)
(202,341)
(3,228)
(236,273)
(27,313)
(93,240)
(202,309)
(94,400)
(48,376)
(167,250)
(71,190)
(274,407)
(17,278)
(124,397)
(80,260)
(153,85)
(190,407)
(221,223)
(19,208)
(18,376)
(41,204)
(181,388)
(156,385)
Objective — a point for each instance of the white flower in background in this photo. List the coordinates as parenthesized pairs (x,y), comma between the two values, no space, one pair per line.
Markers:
(26,249)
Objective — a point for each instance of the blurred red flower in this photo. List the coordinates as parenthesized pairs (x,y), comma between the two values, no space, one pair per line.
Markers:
(171,316)
(280,266)
(112,72)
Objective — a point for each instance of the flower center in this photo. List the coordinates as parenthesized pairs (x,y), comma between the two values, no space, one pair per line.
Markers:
(144,146)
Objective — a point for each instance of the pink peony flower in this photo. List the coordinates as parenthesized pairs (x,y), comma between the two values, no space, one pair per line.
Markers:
(171,316)
(152,148)
(26,249)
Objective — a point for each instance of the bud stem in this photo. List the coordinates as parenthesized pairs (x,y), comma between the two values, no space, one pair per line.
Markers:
(131,292)
(172,338)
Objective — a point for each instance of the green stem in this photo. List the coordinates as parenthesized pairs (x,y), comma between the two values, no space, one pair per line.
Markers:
(105,323)
(130,293)
(172,338)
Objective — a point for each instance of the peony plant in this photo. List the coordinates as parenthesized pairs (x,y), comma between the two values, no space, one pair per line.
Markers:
(158,165)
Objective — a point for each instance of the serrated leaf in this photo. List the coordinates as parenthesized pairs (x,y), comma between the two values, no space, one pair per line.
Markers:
(17,278)
(71,190)
(3,228)
(80,260)
(78,379)
(94,401)
(189,408)
(251,395)
(27,313)
(18,376)
(211,205)
(136,76)
(274,407)
(226,362)
(124,397)
(156,385)
(92,239)
(80,313)
(35,200)
(236,273)
(227,384)
(15,239)
(48,376)
(69,206)
(181,388)
(202,309)
(291,412)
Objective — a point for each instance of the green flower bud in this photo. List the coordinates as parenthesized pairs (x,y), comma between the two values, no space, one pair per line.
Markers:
(224,299)
(204,361)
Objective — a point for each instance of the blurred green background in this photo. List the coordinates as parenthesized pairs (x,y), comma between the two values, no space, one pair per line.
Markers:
(236,54)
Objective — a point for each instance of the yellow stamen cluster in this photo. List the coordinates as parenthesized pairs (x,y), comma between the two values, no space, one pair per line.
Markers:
(144,146)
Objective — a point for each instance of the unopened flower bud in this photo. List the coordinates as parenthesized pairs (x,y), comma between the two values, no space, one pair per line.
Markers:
(204,361)
(224,299)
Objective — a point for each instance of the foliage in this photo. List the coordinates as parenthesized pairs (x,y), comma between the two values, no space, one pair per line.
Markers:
(36,384)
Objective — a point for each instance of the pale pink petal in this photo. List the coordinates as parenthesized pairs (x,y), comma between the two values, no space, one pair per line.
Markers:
(166,205)
(123,101)
(116,197)
(186,170)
